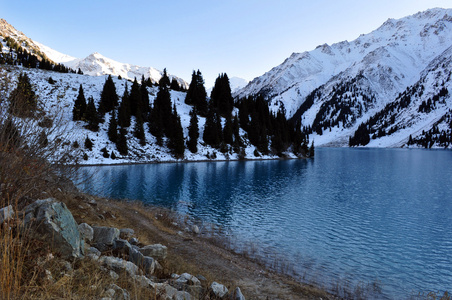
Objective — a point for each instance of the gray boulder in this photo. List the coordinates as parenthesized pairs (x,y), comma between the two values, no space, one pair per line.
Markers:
(119,265)
(188,279)
(146,263)
(86,231)
(121,248)
(157,251)
(218,290)
(104,237)
(51,222)
(6,214)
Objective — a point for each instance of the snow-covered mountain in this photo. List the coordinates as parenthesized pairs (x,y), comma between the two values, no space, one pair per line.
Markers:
(96,64)
(335,88)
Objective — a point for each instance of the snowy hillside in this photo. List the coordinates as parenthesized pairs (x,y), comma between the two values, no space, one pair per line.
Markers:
(56,100)
(335,88)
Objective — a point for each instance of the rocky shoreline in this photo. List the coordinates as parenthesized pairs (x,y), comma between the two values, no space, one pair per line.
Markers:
(118,252)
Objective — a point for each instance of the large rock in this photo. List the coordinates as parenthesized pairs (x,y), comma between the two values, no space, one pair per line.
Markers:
(218,290)
(6,213)
(118,265)
(188,279)
(157,251)
(86,231)
(104,237)
(51,222)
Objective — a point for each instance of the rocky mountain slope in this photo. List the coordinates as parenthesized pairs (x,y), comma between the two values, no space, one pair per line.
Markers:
(335,88)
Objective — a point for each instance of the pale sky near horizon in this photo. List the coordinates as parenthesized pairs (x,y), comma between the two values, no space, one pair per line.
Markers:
(242,38)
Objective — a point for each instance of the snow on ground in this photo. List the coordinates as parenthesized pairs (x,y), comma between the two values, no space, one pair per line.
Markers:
(57,101)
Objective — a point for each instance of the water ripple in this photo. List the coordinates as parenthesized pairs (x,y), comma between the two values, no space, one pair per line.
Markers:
(349,214)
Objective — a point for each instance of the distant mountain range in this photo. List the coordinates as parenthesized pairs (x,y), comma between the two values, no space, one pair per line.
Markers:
(388,88)
(333,89)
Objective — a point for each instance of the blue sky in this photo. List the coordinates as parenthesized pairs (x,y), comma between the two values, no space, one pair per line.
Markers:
(242,38)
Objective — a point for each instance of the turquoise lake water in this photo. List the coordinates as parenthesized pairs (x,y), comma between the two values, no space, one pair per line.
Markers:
(349,215)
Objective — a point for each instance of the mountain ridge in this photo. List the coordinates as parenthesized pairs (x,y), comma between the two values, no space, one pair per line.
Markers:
(382,64)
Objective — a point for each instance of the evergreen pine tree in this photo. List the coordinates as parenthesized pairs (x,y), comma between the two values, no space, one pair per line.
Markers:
(113,128)
(124,113)
(144,103)
(161,111)
(221,95)
(196,94)
(88,144)
(164,81)
(212,129)
(135,98)
(91,115)
(227,131)
(104,152)
(410,140)
(138,131)
(108,96)
(23,100)
(79,106)
(174,85)
(176,137)
(193,132)
(121,143)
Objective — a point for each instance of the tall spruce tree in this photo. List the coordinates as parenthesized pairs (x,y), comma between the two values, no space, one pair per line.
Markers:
(221,95)
(121,143)
(108,96)
(91,115)
(176,137)
(193,132)
(23,100)
(79,106)
(113,128)
(138,131)
(162,111)
(175,85)
(212,130)
(135,98)
(227,131)
(196,94)
(124,113)
(144,103)
(164,81)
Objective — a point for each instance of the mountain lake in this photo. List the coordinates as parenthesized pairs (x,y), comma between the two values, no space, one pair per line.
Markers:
(379,219)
